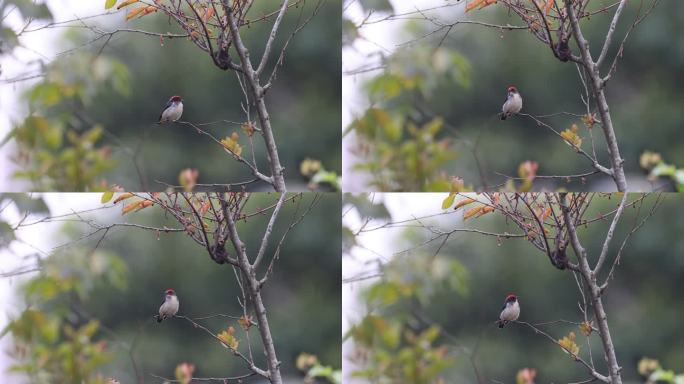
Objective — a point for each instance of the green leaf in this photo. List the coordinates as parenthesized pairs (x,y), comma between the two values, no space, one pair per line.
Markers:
(6,234)
(449,201)
(29,8)
(106,197)
(367,208)
(109,3)
(8,39)
(26,204)
(378,5)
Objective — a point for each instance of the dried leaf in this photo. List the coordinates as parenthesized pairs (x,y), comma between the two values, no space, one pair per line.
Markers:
(479,3)
(568,344)
(586,328)
(472,212)
(126,3)
(228,338)
(123,197)
(131,207)
(134,12)
(245,322)
(464,202)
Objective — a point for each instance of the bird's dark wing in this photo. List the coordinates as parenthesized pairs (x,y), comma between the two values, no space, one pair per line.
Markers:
(504,306)
(168,104)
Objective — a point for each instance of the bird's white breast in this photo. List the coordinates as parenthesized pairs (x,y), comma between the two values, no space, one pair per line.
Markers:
(170,306)
(173,112)
(513,104)
(511,312)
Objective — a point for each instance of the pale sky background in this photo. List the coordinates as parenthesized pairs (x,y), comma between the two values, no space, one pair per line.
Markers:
(40,239)
(375,245)
(35,45)
(385,37)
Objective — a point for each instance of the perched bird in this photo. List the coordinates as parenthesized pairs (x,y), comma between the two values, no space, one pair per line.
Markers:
(172,111)
(510,310)
(513,103)
(169,307)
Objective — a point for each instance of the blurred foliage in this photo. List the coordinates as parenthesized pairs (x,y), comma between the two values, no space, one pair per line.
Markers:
(397,136)
(658,168)
(303,105)
(25,205)
(390,343)
(314,370)
(54,340)
(26,9)
(59,145)
(366,209)
(318,176)
(654,373)
(304,285)
(459,286)
(639,95)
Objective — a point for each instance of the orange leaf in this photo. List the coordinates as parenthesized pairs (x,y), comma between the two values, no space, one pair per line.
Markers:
(126,3)
(144,204)
(205,207)
(463,202)
(122,197)
(485,210)
(131,207)
(549,4)
(208,15)
(148,10)
(472,212)
(479,3)
(134,12)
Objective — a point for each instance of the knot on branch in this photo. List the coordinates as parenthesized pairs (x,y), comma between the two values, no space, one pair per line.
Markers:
(562,50)
(222,59)
(218,253)
(559,257)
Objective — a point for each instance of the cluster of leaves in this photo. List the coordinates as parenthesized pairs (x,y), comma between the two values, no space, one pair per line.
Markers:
(314,370)
(654,373)
(657,167)
(27,9)
(26,205)
(404,146)
(314,172)
(367,210)
(58,145)
(390,344)
(53,341)
(350,31)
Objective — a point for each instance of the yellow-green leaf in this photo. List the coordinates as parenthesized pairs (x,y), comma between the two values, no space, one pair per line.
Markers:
(109,3)
(106,197)
(448,201)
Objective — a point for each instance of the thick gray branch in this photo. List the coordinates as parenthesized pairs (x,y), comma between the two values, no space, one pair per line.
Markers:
(258,94)
(601,102)
(594,293)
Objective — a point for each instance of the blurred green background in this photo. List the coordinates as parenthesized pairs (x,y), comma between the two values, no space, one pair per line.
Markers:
(463,287)
(464,80)
(121,91)
(122,284)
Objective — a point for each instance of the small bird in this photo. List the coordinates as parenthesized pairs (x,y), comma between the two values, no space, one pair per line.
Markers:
(510,310)
(172,111)
(513,103)
(169,307)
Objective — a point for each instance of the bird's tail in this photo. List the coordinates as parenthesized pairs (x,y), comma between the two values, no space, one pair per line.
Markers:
(503,116)
(159,319)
